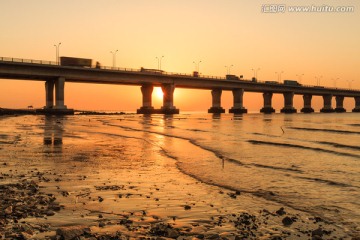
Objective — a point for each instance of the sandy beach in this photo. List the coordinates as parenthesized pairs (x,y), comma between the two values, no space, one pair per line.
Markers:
(74,178)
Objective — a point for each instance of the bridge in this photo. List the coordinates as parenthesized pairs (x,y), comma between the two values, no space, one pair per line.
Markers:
(55,76)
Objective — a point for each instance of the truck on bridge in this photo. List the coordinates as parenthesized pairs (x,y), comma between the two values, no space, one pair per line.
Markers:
(291,83)
(75,62)
(150,70)
(232,77)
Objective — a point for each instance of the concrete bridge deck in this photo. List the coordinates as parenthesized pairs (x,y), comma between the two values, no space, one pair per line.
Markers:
(51,72)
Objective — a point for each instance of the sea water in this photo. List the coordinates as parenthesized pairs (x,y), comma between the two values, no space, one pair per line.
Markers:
(307,162)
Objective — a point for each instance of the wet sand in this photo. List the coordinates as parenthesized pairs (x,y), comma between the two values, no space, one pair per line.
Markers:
(71,177)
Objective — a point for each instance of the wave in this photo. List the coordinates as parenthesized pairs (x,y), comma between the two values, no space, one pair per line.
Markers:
(338,145)
(325,130)
(303,147)
(329,182)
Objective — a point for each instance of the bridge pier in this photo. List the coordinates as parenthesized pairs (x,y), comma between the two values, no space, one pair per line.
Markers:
(168,99)
(216,101)
(147,107)
(357,104)
(267,103)
(288,103)
(49,92)
(60,93)
(340,104)
(238,107)
(327,104)
(307,104)
(59,108)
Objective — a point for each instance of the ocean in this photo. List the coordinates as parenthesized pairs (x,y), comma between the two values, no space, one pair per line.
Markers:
(309,163)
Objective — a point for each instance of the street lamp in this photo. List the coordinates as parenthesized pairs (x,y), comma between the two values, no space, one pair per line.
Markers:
(197,66)
(159,62)
(318,80)
(228,69)
(299,76)
(114,57)
(279,75)
(255,71)
(335,79)
(349,81)
(57,52)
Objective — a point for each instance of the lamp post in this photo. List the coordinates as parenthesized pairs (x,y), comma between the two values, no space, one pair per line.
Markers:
(114,57)
(279,75)
(255,72)
(349,81)
(57,47)
(299,76)
(159,62)
(335,80)
(318,80)
(197,66)
(228,69)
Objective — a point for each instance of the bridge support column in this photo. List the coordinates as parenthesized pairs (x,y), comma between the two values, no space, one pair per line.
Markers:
(288,103)
(59,108)
(147,107)
(216,102)
(267,103)
(60,93)
(357,105)
(327,104)
(340,104)
(238,101)
(307,104)
(168,99)
(49,92)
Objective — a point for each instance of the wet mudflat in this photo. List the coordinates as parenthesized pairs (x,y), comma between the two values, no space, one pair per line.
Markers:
(76,178)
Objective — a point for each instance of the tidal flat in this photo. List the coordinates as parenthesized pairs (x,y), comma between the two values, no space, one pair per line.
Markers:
(79,177)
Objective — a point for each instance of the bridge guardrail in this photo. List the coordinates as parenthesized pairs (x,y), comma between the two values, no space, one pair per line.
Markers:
(21,60)
(44,62)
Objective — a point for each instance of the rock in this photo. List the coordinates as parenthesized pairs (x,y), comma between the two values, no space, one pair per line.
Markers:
(287,221)
(102,224)
(68,233)
(50,213)
(172,233)
(8,210)
(26,235)
(187,207)
(280,212)
(213,236)
(318,232)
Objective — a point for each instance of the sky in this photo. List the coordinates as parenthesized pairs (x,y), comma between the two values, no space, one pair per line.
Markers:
(304,46)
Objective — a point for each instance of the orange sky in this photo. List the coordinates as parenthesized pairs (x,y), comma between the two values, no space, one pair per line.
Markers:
(217,32)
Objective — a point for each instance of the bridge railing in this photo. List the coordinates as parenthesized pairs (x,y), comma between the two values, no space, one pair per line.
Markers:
(43,62)
(21,60)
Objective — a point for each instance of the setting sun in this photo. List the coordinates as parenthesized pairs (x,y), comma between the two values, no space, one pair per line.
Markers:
(158,92)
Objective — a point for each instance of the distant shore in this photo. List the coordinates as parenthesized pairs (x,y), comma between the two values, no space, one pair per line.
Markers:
(13,111)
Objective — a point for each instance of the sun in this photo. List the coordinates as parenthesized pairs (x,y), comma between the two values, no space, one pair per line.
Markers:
(158,93)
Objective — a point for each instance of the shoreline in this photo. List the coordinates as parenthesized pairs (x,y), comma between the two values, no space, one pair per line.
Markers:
(13,111)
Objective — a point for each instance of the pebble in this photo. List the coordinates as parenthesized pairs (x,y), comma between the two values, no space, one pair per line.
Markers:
(287,221)
(187,207)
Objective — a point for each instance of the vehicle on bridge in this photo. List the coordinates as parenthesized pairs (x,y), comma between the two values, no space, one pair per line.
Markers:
(150,70)
(195,74)
(291,83)
(75,62)
(271,82)
(232,77)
